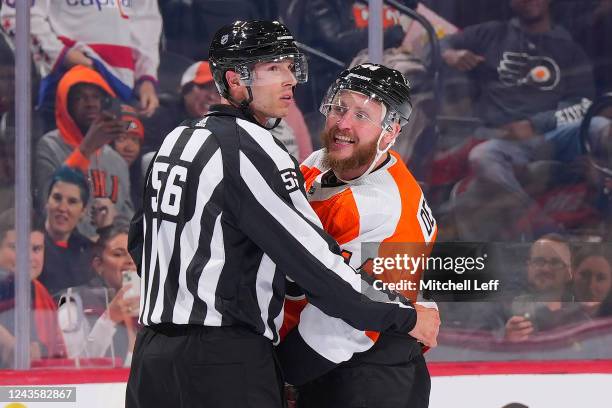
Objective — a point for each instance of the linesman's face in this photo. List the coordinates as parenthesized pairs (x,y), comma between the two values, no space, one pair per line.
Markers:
(272,88)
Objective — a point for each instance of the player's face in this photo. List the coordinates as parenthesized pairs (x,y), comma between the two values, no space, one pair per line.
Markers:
(272,88)
(593,279)
(114,259)
(64,209)
(352,129)
(549,267)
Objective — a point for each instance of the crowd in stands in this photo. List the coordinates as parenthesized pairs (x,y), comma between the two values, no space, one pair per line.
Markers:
(108,88)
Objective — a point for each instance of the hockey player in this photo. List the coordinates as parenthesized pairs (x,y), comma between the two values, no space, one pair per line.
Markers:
(363,193)
(225,221)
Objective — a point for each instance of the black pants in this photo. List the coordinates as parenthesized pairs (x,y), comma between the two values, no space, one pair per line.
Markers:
(366,385)
(203,367)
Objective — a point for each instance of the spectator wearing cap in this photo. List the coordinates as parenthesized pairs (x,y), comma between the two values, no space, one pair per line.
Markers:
(68,253)
(198,93)
(84,130)
(129,145)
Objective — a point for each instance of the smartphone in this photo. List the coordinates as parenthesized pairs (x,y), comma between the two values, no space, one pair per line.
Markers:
(132,278)
(112,105)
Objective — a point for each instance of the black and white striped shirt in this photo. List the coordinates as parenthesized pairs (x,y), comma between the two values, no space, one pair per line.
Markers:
(226,221)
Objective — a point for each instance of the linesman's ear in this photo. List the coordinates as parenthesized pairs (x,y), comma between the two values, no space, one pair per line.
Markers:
(233,79)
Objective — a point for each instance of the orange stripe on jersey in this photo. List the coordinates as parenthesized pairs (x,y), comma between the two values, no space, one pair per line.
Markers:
(292,311)
(339,216)
(310,174)
(373,335)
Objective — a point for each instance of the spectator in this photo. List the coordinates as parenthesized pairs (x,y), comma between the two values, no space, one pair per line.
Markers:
(535,84)
(7,124)
(113,323)
(546,304)
(120,42)
(198,93)
(68,253)
(129,145)
(338,28)
(46,339)
(593,280)
(83,130)
(7,85)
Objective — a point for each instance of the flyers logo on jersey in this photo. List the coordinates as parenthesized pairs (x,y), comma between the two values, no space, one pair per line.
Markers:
(426,220)
(520,69)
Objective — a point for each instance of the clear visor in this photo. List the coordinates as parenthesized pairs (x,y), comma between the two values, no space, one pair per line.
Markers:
(362,110)
(274,70)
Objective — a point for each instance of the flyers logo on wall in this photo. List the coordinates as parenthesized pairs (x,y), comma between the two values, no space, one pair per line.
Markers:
(520,69)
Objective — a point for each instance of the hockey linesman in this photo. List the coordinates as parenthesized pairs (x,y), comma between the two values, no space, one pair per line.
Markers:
(225,221)
(364,194)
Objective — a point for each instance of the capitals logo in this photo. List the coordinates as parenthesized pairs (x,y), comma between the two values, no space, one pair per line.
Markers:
(520,69)
(121,5)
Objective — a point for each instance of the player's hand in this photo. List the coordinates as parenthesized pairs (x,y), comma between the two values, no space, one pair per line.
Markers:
(103,130)
(518,328)
(427,326)
(462,60)
(148,98)
(75,57)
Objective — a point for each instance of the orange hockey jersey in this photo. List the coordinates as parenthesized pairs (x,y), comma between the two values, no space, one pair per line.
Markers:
(386,211)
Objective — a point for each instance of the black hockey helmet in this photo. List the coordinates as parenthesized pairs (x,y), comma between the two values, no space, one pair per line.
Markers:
(378,82)
(240,45)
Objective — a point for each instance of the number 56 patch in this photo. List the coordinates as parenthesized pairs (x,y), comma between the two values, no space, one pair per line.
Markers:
(290,179)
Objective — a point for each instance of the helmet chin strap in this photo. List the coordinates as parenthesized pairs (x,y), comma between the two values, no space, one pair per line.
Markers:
(246,110)
(379,153)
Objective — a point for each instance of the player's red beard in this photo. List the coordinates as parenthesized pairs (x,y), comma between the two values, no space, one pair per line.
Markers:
(362,155)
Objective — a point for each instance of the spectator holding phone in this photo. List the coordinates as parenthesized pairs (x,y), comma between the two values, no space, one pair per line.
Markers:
(85,126)
(118,39)
(112,300)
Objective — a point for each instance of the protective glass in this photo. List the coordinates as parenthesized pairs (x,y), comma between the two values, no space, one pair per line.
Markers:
(363,110)
(298,67)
